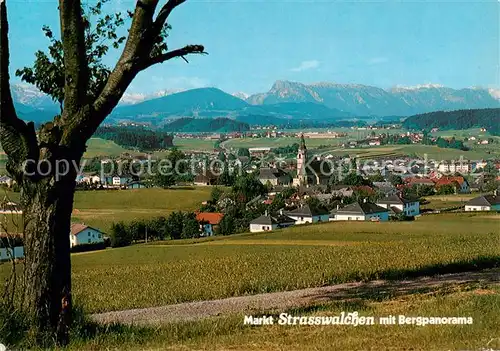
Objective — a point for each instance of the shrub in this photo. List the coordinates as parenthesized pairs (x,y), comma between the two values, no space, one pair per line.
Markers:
(13,325)
(119,235)
(89,247)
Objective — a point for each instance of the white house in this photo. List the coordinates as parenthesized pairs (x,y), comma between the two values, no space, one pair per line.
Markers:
(304,214)
(452,167)
(410,207)
(81,234)
(360,211)
(484,203)
(263,223)
(266,223)
(88,178)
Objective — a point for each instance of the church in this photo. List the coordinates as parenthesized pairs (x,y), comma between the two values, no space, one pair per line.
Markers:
(310,171)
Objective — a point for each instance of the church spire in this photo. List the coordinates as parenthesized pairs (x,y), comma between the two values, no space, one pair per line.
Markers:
(302,145)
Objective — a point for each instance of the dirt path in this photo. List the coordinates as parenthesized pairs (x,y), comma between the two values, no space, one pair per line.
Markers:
(280,301)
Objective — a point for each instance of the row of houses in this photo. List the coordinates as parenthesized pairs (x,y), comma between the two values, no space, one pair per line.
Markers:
(380,211)
(358,211)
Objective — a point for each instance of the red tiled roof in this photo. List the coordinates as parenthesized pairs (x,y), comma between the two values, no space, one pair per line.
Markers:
(450,180)
(365,188)
(209,217)
(77,228)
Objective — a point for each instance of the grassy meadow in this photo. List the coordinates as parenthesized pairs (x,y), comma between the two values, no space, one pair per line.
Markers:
(279,142)
(194,144)
(432,152)
(97,147)
(304,256)
(437,202)
(103,207)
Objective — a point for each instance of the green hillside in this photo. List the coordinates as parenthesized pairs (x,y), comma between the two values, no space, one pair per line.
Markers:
(488,118)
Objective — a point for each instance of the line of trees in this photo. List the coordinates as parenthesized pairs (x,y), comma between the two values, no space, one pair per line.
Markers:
(136,137)
(179,225)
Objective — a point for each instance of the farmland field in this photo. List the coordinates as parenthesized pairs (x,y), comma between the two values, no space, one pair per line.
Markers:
(432,152)
(194,144)
(279,142)
(101,147)
(156,274)
(446,201)
(102,208)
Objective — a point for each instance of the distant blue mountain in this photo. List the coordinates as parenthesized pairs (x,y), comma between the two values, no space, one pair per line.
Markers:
(190,103)
(363,100)
(284,104)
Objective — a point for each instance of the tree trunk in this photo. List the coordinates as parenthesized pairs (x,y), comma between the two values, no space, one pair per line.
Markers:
(47,206)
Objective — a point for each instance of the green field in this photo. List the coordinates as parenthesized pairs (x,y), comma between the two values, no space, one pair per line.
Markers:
(101,208)
(194,144)
(279,142)
(168,272)
(156,274)
(437,202)
(432,152)
(97,147)
(102,148)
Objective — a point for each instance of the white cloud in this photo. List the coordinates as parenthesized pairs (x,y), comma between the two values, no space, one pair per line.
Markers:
(377,60)
(306,65)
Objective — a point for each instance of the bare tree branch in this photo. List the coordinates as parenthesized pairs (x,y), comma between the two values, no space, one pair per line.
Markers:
(75,58)
(164,13)
(186,50)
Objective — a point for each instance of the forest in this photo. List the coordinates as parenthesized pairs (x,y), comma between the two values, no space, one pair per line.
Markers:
(488,118)
(136,137)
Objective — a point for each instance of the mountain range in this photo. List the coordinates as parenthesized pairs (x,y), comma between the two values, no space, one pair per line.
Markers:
(368,100)
(285,102)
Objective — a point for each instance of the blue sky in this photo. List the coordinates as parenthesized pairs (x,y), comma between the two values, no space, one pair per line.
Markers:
(251,44)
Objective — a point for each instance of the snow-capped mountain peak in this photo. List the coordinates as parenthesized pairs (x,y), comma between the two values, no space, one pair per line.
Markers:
(135,98)
(29,95)
(241,95)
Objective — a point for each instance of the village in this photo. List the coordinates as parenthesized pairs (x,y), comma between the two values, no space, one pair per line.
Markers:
(276,193)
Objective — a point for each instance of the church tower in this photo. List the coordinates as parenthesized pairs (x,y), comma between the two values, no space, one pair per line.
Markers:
(301,162)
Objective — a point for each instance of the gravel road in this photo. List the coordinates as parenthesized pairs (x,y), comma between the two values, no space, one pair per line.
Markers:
(281,301)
